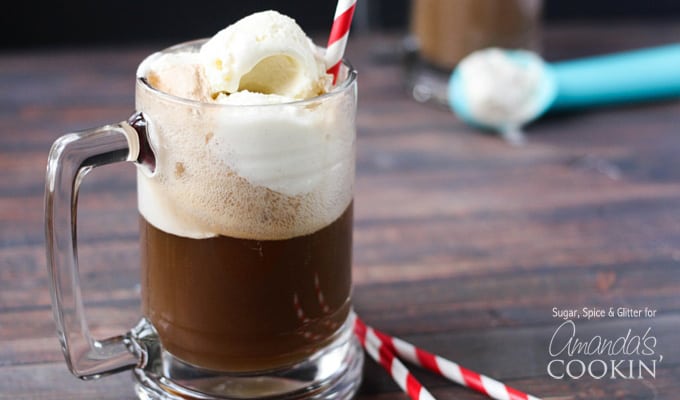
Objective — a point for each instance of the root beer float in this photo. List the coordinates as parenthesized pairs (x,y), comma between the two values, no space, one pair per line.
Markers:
(246,218)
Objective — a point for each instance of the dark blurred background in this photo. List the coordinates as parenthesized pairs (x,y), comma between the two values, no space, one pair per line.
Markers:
(81,22)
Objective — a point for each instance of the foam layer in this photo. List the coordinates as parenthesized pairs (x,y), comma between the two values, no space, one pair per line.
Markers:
(247,165)
(180,74)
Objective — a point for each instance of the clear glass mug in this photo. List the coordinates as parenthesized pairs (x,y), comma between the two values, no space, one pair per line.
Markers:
(245,284)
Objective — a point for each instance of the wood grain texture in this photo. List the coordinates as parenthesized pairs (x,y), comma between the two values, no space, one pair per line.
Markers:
(463,244)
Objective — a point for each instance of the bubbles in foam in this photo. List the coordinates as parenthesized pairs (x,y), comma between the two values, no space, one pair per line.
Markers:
(261,172)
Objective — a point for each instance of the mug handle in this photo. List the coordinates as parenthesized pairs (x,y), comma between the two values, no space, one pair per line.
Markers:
(72,156)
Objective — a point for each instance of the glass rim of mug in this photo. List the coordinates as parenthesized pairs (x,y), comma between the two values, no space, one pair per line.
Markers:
(142,83)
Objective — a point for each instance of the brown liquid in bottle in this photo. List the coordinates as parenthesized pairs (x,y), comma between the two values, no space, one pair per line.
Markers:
(234,304)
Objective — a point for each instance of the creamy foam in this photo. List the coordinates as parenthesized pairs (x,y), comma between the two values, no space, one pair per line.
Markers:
(272,170)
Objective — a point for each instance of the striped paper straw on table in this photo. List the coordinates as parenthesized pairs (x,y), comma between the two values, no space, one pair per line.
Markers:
(337,41)
(441,366)
(384,356)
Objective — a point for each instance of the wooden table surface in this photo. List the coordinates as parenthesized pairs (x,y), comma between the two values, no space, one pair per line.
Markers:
(463,245)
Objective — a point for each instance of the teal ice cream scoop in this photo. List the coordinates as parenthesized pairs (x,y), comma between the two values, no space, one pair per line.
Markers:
(506,89)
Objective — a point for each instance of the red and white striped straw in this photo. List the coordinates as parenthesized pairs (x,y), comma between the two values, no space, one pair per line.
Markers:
(386,358)
(441,366)
(337,41)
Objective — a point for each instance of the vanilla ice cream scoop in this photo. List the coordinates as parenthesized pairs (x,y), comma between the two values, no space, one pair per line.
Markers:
(265,52)
(502,90)
(506,89)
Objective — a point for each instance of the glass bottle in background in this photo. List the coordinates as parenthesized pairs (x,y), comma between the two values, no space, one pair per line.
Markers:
(444,31)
